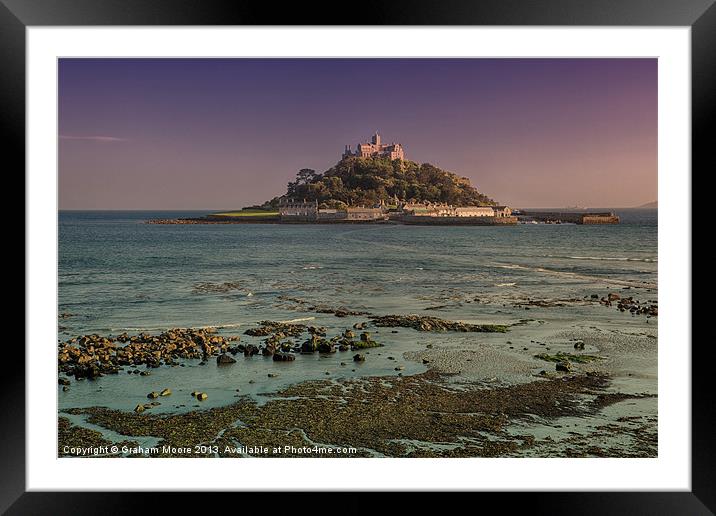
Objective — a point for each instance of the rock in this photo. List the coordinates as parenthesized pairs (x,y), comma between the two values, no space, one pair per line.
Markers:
(326,347)
(426,361)
(194,394)
(358,358)
(343,363)
(565,366)
(579,345)
(595,296)
(63,381)
(166,392)
(348,334)
(65,388)
(284,357)
(613,296)
(225,359)
(426,323)
(272,375)
(250,350)
(399,368)
(317,330)
(343,347)
(201,396)
(359,326)
(144,373)
(153,395)
(139,408)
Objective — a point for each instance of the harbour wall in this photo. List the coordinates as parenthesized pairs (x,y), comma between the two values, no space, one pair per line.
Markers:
(570,217)
(458,221)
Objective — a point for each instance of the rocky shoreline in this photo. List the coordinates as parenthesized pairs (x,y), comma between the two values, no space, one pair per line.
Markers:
(93,356)
(417,416)
(453,410)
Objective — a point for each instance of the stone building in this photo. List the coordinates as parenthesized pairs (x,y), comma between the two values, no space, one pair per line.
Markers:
(474,211)
(447,210)
(365,214)
(291,209)
(502,211)
(376,149)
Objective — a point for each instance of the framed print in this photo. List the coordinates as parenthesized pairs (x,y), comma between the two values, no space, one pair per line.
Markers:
(423,251)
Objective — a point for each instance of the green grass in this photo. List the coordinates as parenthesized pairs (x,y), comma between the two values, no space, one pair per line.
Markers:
(561,357)
(247,213)
(361,344)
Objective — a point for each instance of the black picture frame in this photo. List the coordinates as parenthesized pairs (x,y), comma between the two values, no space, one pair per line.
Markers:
(700,15)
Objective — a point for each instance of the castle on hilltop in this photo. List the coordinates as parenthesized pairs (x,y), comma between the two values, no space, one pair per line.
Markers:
(376,149)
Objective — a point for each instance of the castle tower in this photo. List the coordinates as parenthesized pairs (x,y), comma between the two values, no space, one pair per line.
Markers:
(375,140)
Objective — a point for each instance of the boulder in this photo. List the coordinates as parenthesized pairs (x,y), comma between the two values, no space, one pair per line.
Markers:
(166,392)
(283,357)
(201,396)
(250,350)
(63,381)
(564,366)
(358,357)
(225,359)
(139,408)
(153,394)
(311,344)
(325,346)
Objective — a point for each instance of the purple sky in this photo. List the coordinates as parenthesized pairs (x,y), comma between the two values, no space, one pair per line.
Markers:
(226,133)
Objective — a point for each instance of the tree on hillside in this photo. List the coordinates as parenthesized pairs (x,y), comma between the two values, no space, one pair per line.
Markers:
(366,181)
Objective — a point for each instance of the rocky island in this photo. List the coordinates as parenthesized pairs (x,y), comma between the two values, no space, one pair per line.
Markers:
(373,184)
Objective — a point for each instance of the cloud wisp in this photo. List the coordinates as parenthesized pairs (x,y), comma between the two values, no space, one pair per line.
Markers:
(92,138)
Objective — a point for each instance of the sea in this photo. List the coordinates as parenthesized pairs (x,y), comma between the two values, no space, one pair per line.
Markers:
(118,274)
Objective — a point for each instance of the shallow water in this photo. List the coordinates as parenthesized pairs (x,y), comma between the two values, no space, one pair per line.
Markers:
(118,274)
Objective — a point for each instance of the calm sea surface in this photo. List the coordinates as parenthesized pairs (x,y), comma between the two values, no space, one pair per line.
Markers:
(117,274)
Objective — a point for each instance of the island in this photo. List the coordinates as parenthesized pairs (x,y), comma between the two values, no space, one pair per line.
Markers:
(376,184)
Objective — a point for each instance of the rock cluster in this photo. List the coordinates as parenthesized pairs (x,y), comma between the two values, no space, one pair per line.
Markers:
(92,356)
(628,304)
(281,330)
(426,323)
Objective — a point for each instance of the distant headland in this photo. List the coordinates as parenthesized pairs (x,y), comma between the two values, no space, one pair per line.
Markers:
(375,183)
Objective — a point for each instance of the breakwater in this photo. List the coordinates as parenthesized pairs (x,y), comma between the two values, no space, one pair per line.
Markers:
(558,217)
(457,221)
